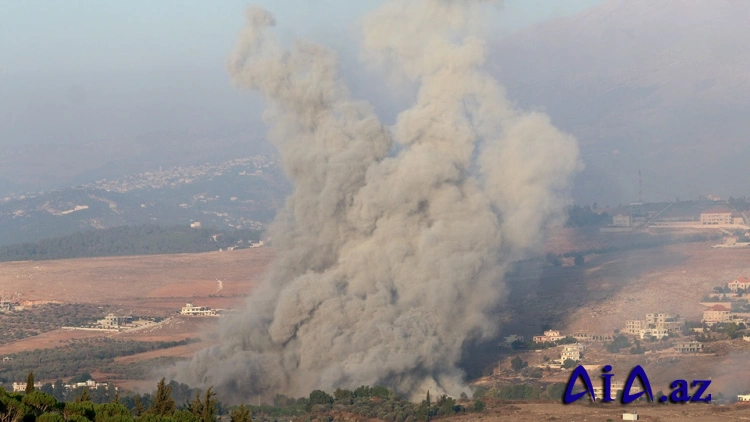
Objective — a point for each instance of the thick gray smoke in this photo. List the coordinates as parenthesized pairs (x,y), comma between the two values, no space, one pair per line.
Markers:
(394,244)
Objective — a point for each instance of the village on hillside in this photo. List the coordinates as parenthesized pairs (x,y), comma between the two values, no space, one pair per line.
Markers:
(726,316)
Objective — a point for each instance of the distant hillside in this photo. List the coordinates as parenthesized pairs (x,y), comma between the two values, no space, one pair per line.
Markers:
(661,86)
(121,241)
(243,193)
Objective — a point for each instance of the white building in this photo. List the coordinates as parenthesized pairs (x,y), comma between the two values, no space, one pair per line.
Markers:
(189,309)
(571,351)
(549,336)
(743,397)
(195,225)
(739,283)
(657,333)
(512,338)
(21,386)
(91,384)
(621,220)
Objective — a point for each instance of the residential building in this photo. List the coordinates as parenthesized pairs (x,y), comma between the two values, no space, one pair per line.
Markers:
(195,225)
(91,384)
(743,397)
(21,386)
(512,339)
(549,336)
(580,336)
(716,314)
(658,319)
(621,220)
(571,351)
(657,333)
(189,309)
(114,321)
(7,359)
(616,388)
(656,323)
(689,347)
(739,283)
(634,326)
(716,216)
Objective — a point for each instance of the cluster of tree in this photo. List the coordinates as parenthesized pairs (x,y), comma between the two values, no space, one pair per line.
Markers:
(646,244)
(740,204)
(33,406)
(579,216)
(30,322)
(532,345)
(78,357)
(553,391)
(637,349)
(619,342)
(129,240)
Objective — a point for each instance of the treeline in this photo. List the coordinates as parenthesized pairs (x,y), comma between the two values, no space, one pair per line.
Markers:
(173,402)
(129,240)
(585,216)
(76,358)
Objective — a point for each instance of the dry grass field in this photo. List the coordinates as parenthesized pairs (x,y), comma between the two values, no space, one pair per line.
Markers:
(156,285)
(597,297)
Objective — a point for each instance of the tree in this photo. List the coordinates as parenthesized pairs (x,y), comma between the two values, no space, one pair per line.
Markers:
(139,410)
(163,404)
(241,414)
(30,383)
(208,413)
(479,406)
(569,363)
(517,363)
(84,397)
(428,398)
(320,397)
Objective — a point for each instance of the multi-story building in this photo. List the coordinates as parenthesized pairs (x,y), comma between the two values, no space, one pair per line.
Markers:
(615,389)
(739,283)
(657,333)
(189,309)
(114,321)
(621,220)
(689,347)
(571,351)
(581,336)
(634,326)
(512,338)
(655,324)
(716,216)
(716,314)
(21,386)
(549,336)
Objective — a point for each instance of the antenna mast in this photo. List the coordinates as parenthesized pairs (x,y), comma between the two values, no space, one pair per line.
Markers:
(640,193)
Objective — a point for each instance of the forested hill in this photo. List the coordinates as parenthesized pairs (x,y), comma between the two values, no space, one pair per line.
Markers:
(129,240)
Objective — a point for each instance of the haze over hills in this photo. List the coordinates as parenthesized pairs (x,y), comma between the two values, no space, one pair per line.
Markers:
(236,194)
(661,86)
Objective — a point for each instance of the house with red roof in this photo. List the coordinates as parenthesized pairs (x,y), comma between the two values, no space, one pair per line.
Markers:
(716,314)
(739,283)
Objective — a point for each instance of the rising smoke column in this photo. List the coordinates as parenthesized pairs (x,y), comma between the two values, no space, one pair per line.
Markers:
(387,264)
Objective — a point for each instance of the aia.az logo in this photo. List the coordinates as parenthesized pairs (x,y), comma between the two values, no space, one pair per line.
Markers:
(680,388)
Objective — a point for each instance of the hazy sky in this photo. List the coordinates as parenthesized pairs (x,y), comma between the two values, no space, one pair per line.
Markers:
(125,36)
(105,78)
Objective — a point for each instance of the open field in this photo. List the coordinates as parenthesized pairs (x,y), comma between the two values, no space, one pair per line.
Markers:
(155,285)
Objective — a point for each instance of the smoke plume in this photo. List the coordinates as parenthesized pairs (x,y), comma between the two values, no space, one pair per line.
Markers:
(394,243)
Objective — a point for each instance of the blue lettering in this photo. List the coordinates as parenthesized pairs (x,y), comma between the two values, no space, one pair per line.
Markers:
(640,374)
(579,372)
